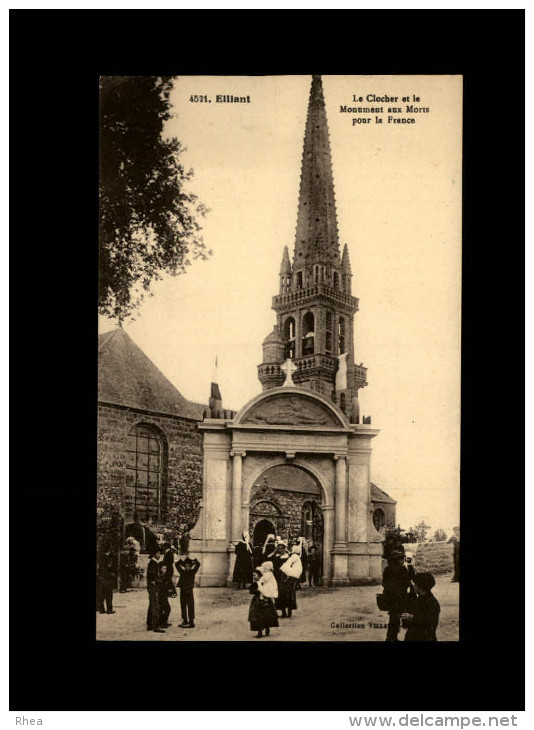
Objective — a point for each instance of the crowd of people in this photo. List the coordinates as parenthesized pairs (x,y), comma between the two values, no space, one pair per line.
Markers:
(273,573)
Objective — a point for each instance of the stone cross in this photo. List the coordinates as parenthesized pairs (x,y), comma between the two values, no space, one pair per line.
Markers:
(289,368)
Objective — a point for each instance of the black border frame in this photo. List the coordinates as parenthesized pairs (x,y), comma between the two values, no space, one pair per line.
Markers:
(55,662)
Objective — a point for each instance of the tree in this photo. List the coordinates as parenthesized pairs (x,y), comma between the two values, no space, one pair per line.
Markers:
(420,531)
(148,222)
(440,535)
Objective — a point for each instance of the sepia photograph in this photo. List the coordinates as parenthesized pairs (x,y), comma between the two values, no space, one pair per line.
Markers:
(279,394)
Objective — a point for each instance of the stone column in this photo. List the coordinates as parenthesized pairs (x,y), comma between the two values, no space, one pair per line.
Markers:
(236,521)
(341,502)
(237,497)
(328,542)
(298,333)
(340,553)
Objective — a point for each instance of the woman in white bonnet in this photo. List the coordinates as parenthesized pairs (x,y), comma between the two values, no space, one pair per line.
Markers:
(286,600)
(262,613)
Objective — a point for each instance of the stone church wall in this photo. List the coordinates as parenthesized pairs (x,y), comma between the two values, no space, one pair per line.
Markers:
(182,462)
(290,504)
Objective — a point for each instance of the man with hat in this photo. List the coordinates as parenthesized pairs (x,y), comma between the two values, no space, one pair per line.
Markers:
(396,582)
(187,570)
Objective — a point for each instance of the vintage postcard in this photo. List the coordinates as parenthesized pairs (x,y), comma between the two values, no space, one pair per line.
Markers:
(279,423)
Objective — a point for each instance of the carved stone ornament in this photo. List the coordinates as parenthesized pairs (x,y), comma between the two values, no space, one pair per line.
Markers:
(292,410)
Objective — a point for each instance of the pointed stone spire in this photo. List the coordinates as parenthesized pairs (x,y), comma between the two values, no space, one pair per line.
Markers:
(285,266)
(316,239)
(347,271)
(345,261)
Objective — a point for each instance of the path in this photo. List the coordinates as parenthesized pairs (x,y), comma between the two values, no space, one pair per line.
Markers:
(222,616)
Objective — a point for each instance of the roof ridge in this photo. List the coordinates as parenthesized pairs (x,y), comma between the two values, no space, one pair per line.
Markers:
(104,342)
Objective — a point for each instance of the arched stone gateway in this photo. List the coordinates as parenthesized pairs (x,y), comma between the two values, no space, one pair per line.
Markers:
(290,458)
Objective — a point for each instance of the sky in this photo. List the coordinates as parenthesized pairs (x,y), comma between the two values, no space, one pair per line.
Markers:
(398,201)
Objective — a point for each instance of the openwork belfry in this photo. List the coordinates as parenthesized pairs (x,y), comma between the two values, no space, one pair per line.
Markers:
(295,460)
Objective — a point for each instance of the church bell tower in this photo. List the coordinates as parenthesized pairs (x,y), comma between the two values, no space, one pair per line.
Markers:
(314,306)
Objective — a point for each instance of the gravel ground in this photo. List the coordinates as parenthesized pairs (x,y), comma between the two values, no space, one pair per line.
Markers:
(221,615)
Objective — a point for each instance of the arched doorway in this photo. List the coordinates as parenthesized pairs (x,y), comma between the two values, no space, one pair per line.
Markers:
(261,530)
(288,498)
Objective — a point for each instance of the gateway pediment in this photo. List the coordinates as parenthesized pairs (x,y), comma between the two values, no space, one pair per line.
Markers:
(290,409)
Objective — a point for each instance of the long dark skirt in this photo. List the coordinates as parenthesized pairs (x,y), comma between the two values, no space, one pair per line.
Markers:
(262,613)
(243,565)
(286,593)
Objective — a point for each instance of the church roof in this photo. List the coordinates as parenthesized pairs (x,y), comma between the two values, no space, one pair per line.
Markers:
(317,235)
(378,495)
(127,377)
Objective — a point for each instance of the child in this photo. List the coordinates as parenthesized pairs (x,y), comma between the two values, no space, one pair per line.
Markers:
(262,613)
(187,569)
(423,621)
(162,584)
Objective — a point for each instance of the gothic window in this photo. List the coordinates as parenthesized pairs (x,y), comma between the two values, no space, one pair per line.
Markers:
(379,519)
(316,271)
(299,279)
(143,474)
(342,402)
(289,336)
(344,282)
(308,334)
(341,335)
(328,339)
(336,280)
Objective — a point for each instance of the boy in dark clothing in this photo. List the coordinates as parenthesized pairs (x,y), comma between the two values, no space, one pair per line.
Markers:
(153,617)
(107,576)
(396,581)
(187,570)
(314,567)
(424,618)
(162,583)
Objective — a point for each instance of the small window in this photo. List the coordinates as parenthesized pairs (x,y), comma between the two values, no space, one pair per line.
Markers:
(289,336)
(379,518)
(299,280)
(308,334)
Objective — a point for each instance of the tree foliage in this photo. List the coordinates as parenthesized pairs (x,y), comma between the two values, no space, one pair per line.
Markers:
(420,531)
(148,222)
(440,535)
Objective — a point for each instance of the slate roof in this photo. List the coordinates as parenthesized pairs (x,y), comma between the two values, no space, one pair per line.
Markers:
(378,495)
(127,377)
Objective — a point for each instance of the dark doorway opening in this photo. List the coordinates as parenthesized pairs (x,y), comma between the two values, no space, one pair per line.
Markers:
(262,529)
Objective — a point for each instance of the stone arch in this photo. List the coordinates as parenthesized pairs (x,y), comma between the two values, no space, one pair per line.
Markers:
(259,464)
(255,472)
